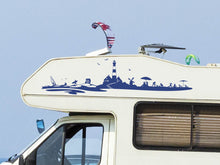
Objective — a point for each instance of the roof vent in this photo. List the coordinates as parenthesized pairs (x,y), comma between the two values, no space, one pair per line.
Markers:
(161,48)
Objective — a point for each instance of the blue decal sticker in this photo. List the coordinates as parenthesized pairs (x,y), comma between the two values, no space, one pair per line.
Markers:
(114,82)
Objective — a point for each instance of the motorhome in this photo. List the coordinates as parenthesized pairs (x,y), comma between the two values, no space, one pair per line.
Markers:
(125,109)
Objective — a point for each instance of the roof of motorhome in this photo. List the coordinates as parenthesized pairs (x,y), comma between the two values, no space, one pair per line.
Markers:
(61,82)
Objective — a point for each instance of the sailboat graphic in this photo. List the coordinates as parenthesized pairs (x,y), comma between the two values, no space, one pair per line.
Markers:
(52,81)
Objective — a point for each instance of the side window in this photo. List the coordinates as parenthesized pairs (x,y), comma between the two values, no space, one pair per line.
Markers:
(84,147)
(74,144)
(73,148)
(177,126)
(163,125)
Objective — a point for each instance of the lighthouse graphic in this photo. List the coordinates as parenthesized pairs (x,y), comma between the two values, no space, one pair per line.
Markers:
(114,75)
(112,81)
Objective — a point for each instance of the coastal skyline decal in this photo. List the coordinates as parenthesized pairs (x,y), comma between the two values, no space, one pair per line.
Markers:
(114,82)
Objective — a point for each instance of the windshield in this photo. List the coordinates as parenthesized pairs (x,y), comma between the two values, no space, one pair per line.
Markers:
(14,157)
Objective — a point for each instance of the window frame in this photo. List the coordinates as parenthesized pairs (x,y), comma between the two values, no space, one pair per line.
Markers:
(83,126)
(167,148)
(80,126)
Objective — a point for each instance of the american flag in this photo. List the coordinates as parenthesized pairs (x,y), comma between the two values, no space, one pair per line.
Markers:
(106,29)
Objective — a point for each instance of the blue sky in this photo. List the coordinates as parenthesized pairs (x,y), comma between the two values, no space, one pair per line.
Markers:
(32,32)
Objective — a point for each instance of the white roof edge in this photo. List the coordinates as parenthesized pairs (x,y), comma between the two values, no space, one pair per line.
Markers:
(169,81)
(131,55)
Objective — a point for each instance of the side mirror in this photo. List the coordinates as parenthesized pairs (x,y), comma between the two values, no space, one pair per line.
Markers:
(40,125)
(21,160)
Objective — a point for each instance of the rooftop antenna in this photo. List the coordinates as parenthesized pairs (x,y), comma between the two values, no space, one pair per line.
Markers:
(162,48)
(110,38)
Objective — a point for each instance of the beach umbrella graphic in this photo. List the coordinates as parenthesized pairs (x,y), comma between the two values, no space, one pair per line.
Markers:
(183,82)
(146,78)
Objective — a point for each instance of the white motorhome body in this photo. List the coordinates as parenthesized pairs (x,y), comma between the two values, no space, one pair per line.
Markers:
(152,111)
